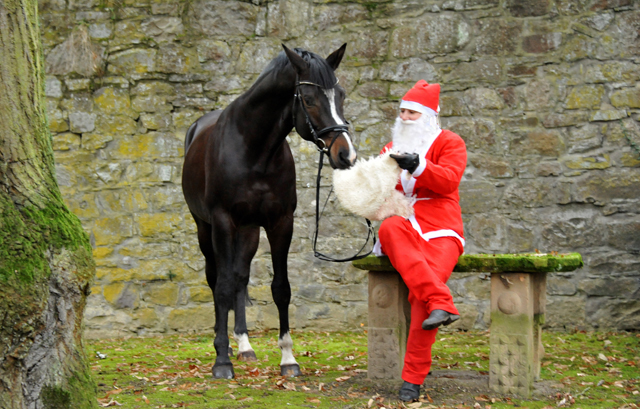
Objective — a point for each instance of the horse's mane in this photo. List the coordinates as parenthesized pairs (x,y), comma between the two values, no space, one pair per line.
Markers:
(319,69)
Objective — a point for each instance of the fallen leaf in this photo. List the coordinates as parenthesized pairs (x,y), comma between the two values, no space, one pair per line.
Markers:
(342,378)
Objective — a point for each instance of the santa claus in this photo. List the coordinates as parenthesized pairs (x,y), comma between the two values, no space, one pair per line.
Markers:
(424,247)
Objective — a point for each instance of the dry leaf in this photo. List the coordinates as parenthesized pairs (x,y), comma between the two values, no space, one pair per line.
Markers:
(342,378)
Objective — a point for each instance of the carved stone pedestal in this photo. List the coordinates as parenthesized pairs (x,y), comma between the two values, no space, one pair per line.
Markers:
(518,297)
(517,314)
(389,317)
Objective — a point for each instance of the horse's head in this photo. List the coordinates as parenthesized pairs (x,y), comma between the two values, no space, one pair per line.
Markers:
(317,106)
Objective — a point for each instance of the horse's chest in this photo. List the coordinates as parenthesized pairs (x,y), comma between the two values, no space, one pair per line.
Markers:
(262,203)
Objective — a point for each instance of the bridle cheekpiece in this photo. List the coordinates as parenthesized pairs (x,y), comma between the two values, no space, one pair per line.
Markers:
(317,135)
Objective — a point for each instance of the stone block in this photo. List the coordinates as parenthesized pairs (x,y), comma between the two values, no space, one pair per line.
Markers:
(410,70)
(479,134)
(558,284)
(151,103)
(53,87)
(78,84)
(134,62)
(112,230)
(478,197)
(155,121)
(483,71)
(152,224)
(587,162)
(121,295)
(482,98)
(585,97)
(214,18)
(497,36)
(114,101)
(80,122)
(174,59)
(200,294)
(565,313)
(148,146)
(612,183)
(527,8)
(94,141)
(197,318)
(161,293)
(146,317)
(546,143)
(65,141)
(607,313)
(542,43)
(57,121)
(626,98)
(584,138)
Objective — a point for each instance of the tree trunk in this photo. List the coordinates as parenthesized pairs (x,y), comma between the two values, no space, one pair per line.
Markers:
(45,257)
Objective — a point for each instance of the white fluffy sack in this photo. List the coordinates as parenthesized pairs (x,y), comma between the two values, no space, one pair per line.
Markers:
(368,189)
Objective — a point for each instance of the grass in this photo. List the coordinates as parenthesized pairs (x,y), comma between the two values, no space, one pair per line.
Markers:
(592,370)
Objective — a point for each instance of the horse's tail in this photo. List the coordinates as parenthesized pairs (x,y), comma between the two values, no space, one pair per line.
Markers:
(191,133)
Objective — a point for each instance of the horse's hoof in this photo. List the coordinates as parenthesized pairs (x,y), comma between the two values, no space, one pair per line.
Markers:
(290,370)
(223,371)
(247,356)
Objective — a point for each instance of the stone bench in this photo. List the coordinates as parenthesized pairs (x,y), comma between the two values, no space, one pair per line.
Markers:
(518,298)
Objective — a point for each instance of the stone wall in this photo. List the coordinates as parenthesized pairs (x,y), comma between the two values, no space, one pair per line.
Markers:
(545,93)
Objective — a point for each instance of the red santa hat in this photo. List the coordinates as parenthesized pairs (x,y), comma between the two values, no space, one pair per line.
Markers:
(423,98)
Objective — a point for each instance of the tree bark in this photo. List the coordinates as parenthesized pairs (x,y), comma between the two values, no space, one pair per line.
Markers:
(46,266)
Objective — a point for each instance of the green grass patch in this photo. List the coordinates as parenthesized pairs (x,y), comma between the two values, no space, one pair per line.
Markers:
(586,370)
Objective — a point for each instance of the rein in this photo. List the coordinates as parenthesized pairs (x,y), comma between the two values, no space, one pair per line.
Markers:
(324,149)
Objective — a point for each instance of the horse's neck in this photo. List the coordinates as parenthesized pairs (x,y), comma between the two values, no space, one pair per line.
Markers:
(264,114)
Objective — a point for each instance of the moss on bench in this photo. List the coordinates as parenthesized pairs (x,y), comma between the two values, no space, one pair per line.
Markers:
(493,263)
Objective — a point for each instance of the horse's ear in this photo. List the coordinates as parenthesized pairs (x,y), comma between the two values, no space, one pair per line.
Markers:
(336,57)
(299,64)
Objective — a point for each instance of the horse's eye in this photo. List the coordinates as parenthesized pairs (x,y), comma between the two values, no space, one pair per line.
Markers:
(308,101)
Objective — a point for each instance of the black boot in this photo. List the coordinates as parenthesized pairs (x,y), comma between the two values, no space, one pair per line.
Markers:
(437,318)
(409,392)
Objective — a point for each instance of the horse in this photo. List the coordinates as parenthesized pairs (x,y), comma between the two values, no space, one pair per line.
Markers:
(239,175)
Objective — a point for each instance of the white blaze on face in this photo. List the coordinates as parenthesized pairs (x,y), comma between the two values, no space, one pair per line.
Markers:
(286,346)
(243,342)
(331,96)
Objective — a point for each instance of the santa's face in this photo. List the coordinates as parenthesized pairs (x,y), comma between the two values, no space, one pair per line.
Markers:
(409,115)
(413,135)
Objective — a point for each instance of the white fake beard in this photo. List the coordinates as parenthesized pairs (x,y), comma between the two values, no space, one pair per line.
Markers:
(414,136)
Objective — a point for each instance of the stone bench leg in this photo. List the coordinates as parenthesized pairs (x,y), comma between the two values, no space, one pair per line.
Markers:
(517,314)
(389,318)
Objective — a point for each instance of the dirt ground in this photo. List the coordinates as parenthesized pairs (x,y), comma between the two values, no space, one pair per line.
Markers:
(445,387)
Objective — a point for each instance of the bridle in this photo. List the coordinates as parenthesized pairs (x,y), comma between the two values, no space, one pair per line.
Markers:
(324,149)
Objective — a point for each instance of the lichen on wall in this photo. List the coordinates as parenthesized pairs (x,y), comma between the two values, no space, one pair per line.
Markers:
(545,95)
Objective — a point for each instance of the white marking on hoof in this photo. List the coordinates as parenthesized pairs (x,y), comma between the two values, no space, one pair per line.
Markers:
(243,342)
(286,346)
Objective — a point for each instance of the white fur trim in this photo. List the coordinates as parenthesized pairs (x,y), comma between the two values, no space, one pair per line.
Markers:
(421,167)
(368,189)
(414,106)
(286,346)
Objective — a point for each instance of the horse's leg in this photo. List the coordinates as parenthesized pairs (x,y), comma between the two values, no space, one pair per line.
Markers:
(280,239)
(223,291)
(245,246)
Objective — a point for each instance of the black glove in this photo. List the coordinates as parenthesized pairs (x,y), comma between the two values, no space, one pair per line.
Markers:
(408,161)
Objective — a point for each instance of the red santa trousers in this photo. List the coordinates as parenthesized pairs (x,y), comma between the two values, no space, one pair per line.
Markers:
(425,267)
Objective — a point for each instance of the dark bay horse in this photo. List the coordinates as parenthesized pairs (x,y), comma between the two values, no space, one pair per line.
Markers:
(239,174)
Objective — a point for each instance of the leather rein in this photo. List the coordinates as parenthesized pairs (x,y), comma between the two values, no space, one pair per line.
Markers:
(324,149)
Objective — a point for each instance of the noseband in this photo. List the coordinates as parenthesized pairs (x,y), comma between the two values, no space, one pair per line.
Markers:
(320,143)
(324,149)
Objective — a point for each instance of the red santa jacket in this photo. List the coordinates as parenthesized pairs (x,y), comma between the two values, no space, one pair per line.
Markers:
(434,184)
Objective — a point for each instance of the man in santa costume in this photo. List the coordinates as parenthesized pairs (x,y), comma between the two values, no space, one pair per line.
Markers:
(425,247)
